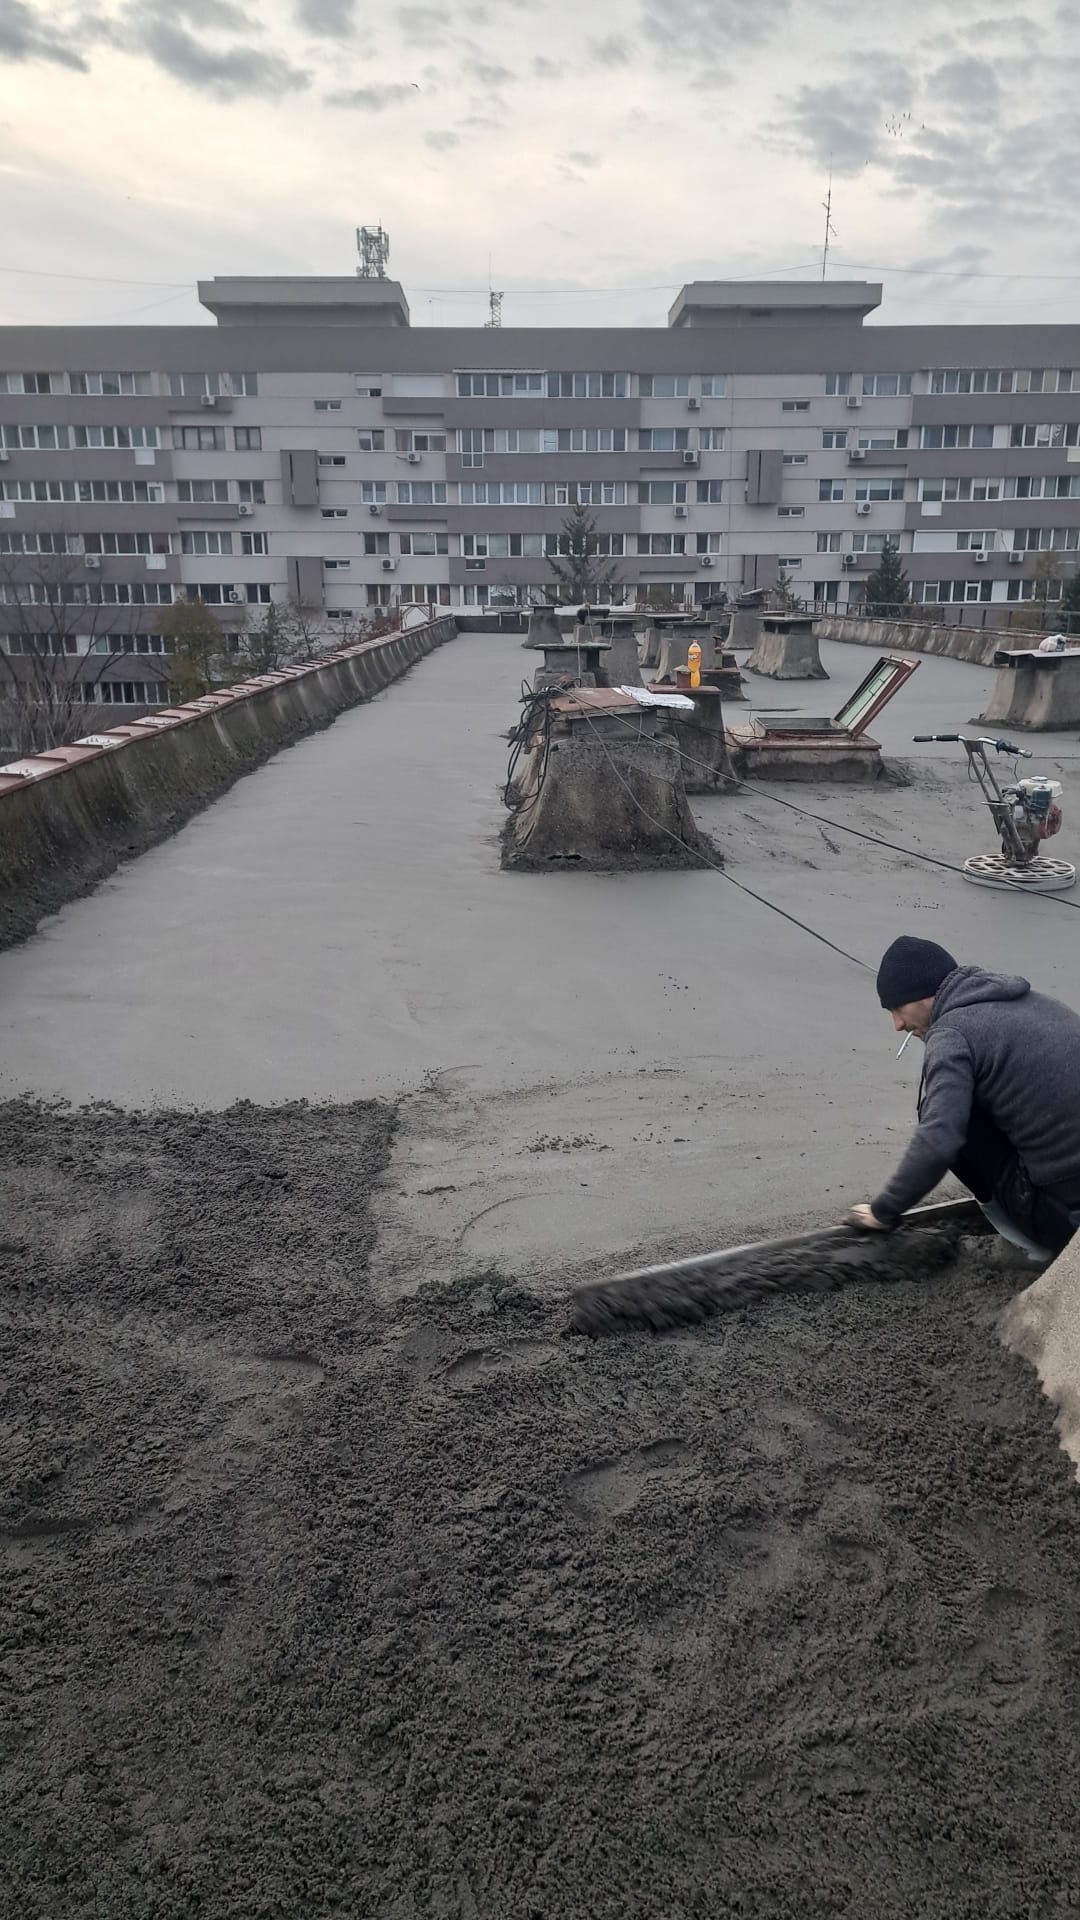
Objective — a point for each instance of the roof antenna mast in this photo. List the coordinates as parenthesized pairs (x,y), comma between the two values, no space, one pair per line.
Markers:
(830,230)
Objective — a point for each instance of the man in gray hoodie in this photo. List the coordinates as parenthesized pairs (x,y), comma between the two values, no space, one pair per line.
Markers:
(999,1099)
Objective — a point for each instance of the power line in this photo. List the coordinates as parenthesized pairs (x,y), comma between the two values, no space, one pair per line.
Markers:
(98,279)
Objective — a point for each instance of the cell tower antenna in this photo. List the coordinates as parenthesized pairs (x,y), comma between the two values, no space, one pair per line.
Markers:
(373,246)
(495,301)
(830,230)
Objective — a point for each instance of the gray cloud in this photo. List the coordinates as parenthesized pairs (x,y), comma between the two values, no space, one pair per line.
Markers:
(967,85)
(577,158)
(372,99)
(614,51)
(441,142)
(26,35)
(226,73)
(698,31)
(842,123)
(490,74)
(426,23)
(543,69)
(329,19)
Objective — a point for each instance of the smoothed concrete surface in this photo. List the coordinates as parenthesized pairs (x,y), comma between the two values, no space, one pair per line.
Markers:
(338,926)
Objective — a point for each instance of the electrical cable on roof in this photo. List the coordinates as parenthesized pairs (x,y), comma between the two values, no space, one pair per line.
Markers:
(711,864)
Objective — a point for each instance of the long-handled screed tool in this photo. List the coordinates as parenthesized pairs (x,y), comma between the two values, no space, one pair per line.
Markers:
(688,1291)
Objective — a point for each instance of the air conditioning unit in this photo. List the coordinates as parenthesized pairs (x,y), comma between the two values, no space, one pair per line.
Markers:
(693,406)
(388,566)
(236,598)
(680,513)
(413,459)
(690,459)
(980,556)
(209,400)
(857,453)
(374,509)
(706,559)
(244,510)
(1016,558)
(848,560)
(853,400)
(863,508)
(92,560)
(4,455)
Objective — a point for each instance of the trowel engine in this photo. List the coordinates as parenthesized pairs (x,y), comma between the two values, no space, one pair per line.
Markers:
(1025,813)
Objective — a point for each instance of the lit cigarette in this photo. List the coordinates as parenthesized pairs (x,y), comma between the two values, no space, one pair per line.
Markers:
(902,1045)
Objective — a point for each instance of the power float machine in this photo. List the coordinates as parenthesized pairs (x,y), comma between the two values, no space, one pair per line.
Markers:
(1025,814)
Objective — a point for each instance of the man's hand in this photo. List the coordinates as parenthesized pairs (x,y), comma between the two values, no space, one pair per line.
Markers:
(866,1220)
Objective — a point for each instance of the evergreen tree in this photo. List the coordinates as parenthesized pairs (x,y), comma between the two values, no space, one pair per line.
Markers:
(887,586)
(580,572)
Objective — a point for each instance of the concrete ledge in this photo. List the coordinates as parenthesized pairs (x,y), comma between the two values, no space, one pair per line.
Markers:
(1039,692)
(976,645)
(70,816)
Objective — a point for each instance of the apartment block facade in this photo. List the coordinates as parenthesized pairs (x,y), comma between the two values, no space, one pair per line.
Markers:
(314,447)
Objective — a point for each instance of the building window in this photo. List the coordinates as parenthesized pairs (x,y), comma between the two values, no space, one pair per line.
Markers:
(885,386)
(795,459)
(328,406)
(206,543)
(331,459)
(115,438)
(970,380)
(199,439)
(368,393)
(789,560)
(421,493)
(588,386)
(424,543)
(496,386)
(711,439)
(790,513)
(663,493)
(831,491)
(193,492)
(200,386)
(708,543)
(139,493)
(837,383)
(833,438)
(877,490)
(713,386)
(371,440)
(710,493)
(378,596)
(336,566)
(828,543)
(110,385)
(664,544)
(894,439)
(410,442)
(1053,434)
(664,386)
(34,383)
(253,544)
(373,493)
(247,439)
(794,406)
(663,439)
(333,513)
(376,543)
(252,492)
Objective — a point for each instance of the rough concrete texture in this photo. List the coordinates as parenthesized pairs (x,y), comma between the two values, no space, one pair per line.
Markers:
(1039,694)
(948,638)
(319,1601)
(61,835)
(1043,1324)
(787,649)
(701,740)
(602,798)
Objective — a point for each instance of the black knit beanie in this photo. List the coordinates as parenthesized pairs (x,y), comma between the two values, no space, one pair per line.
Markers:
(912,970)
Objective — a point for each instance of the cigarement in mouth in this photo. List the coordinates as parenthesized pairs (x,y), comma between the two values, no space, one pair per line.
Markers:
(902,1045)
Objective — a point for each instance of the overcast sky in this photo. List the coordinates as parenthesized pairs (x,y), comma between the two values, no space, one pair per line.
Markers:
(599,154)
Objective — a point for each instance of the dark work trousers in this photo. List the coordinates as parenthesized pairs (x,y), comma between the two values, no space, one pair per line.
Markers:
(990,1167)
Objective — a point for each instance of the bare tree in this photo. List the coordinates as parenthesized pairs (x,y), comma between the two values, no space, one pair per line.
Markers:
(60,638)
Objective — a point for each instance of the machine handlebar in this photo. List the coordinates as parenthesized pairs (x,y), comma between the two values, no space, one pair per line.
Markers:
(999,746)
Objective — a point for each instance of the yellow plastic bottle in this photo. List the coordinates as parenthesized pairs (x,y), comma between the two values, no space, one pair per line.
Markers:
(693,661)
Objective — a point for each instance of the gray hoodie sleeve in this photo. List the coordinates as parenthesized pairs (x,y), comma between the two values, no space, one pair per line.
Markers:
(944,1112)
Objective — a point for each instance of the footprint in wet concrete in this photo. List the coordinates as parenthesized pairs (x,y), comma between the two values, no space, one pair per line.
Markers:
(607,1488)
(509,1357)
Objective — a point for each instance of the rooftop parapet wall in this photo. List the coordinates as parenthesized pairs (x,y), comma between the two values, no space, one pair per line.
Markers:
(69,817)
